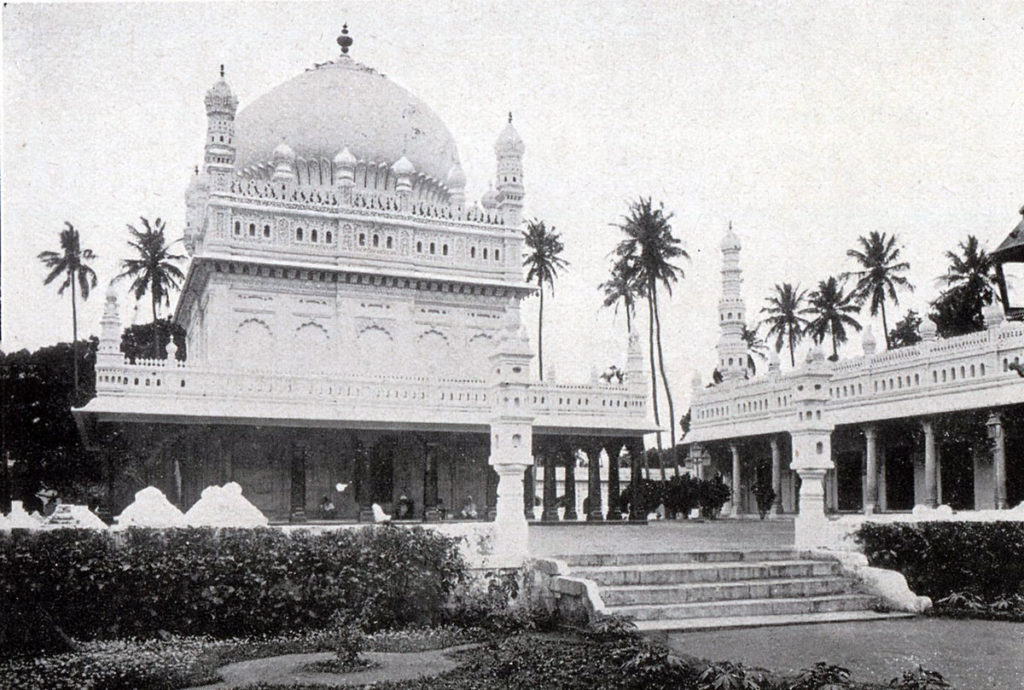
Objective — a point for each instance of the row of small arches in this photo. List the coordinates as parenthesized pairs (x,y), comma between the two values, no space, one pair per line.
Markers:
(809,415)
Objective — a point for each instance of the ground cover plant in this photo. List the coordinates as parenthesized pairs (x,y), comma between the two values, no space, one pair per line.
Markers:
(969,569)
(218,582)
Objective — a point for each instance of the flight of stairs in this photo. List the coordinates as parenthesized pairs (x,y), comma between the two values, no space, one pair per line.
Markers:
(721,589)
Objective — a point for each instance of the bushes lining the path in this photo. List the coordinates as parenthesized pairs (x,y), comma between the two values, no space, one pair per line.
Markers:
(219,582)
(941,558)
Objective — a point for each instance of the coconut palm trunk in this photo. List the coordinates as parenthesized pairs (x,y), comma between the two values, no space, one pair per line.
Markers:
(792,349)
(74,336)
(885,328)
(664,380)
(654,372)
(540,332)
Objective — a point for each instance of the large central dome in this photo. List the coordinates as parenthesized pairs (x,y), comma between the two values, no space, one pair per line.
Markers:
(345,104)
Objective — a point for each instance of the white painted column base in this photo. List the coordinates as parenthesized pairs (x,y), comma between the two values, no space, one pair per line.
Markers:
(511,530)
(811,525)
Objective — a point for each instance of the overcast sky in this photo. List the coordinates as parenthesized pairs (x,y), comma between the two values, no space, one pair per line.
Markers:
(806,124)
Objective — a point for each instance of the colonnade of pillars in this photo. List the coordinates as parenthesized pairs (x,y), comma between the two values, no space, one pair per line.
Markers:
(563,454)
(931,464)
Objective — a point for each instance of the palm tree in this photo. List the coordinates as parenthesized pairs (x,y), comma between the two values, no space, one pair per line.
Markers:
(756,346)
(879,276)
(153,271)
(969,287)
(620,288)
(831,308)
(544,247)
(649,248)
(70,262)
(783,311)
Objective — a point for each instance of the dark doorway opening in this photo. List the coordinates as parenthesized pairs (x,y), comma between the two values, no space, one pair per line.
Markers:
(899,478)
(849,483)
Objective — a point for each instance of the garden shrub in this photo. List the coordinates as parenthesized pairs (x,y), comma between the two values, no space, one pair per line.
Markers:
(940,558)
(225,582)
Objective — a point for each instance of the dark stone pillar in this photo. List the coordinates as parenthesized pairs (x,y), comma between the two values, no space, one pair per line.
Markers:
(595,510)
(569,456)
(529,493)
(491,498)
(613,448)
(550,513)
(364,485)
(430,511)
(297,505)
(636,459)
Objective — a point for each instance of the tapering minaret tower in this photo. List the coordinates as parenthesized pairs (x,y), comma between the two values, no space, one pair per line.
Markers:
(732,351)
(221,105)
(509,151)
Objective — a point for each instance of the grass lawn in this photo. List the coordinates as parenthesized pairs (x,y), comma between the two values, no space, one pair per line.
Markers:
(970,654)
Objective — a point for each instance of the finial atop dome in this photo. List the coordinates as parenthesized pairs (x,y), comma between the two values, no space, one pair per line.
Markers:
(731,239)
(222,71)
(344,40)
(510,122)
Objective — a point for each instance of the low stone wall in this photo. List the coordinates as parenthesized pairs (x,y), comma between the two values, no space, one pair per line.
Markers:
(575,599)
(837,533)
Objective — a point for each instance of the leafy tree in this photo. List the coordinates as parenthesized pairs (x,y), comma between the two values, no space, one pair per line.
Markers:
(620,288)
(783,315)
(542,257)
(70,263)
(137,340)
(39,433)
(907,330)
(756,347)
(969,280)
(831,308)
(153,271)
(880,274)
(649,250)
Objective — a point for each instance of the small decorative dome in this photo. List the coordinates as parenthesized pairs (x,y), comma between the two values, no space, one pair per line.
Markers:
(345,159)
(111,292)
(509,142)
(219,99)
(773,357)
(456,177)
(696,380)
(490,197)
(403,166)
(731,241)
(283,152)
(867,341)
(815,355)
(928,329)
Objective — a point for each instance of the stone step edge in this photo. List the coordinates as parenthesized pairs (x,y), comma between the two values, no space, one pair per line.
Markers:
(727,622)
(726,583)
(789,553)
(625,609)
(584,569)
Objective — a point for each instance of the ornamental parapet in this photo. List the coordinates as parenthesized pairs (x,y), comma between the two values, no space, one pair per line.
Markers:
(175,389)
(933,376)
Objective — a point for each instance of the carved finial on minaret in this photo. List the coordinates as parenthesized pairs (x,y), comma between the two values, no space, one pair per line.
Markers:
(222,71)
(344,40)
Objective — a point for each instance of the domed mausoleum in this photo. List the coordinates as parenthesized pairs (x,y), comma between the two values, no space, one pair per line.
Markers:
(352,319)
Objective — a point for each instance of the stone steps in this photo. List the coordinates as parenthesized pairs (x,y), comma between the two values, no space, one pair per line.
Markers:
(747,607)
(666,557)
(680,573)
(730,588)
(725,591)
(663,625)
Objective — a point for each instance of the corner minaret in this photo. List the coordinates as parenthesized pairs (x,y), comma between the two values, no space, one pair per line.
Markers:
(509,151)
(221,105)
(732,351)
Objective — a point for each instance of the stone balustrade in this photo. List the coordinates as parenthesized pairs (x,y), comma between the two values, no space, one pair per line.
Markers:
(176,385)
(933,376)
(305,197)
